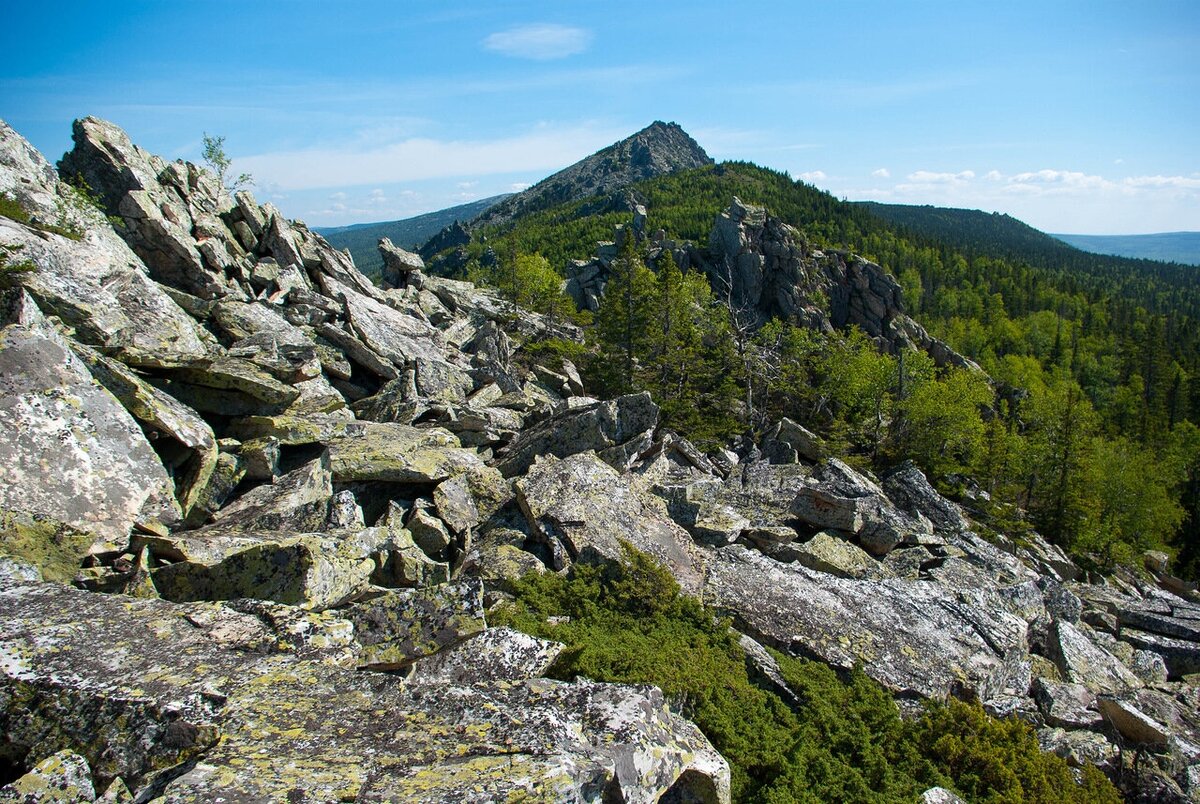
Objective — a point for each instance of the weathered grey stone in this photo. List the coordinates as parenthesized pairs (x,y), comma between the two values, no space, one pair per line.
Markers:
(163,417)
(400,266)
(940,795)
(399,627)
(909,636)
(827,553)
(1181,656)
(494,654)
(584,505)
(312,570)
(911,491)
(363,451)
(806,444)
(1072,706)
(1083,662)
(142,689)
(429,532)
(600,426)
(344,512)
(401,562)
(455,504)
(297,501)
(63,778)
(1133,724)
(225,477)
(69,452)
(1149,667)
(1079,748)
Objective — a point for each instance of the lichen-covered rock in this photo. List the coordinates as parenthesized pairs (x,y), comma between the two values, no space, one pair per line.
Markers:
(494,654)
(912,493)
(313,570)
(69,451)
(604,427)
(827,553)
(63,778)
(1079,748)
(582,506)
(1132,723)
(364,451)
(297,501)
(141,690)
(909,636)
(1082,661)
(1071,706)
(397,628)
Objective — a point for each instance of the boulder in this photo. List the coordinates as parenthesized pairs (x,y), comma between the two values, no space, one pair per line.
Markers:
(1181,656)
(1132,723)
(401,268)
(843,499)
(141,690)
(69,451)
(912,637)
(1071,706)
(911,491)
(311,570)
(1082,661)
(616,430)
(366,451)
(63,778)
(297,501)
(581,506)
(399,627)
(827,553)
(494,654)
(1080,748)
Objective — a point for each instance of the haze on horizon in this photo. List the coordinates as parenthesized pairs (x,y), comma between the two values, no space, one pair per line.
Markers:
(1072,116)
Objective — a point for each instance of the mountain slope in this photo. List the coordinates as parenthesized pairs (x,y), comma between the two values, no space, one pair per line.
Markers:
(409,233)
(1181,247)
(657,150)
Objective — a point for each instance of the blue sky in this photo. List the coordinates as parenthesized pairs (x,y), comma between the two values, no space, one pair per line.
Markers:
(1075,117)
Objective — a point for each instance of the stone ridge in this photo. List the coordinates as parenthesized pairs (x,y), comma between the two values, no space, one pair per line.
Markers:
(656,150)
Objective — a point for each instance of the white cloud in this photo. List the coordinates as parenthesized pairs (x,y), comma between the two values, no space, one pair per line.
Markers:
(378,193)
(541,42)
(518,186)
(338,196)
(813,176)
(882,173)
(542,150)
(1055,200)
(930,177)
(1180,182)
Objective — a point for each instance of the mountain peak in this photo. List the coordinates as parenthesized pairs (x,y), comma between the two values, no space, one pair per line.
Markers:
(658,149)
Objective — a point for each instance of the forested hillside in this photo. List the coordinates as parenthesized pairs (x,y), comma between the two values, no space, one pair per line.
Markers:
(1087,423)
(408,233)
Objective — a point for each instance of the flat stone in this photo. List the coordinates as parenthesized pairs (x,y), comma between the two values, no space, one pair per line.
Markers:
(399,627)
(1133,724)
(63,778)
(494,654)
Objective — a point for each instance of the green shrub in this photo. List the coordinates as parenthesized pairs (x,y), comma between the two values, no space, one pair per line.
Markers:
(843,741)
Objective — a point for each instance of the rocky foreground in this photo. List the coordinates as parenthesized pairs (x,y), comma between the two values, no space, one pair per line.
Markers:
(254,511)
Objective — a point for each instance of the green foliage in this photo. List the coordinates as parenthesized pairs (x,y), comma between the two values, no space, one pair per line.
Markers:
(998,761)
(11,208)
(844,741)
(940,426)
(218,162)
(10,271)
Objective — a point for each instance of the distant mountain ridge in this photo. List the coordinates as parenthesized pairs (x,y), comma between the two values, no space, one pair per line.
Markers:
(1180,247)
(408,233)
(657,150)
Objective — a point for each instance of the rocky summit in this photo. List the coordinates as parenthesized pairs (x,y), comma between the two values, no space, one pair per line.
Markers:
(658,149)
(255,514)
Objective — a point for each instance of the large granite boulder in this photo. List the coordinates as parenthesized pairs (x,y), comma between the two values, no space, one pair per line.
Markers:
(583,510)
(617,430)
(69,451)
(913,637)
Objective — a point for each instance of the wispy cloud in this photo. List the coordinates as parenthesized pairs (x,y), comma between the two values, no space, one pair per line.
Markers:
(541,42)
(544,149)
(811,176)
(1055,200)
(882,173)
